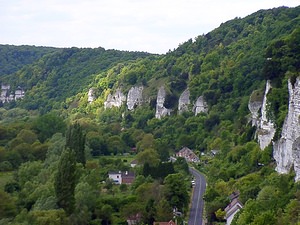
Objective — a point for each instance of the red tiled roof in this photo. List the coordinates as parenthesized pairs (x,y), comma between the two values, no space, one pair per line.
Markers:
(164,223)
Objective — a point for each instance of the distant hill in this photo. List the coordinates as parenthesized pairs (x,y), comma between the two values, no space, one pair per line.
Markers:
(13,58)
(63,73)
(244,77)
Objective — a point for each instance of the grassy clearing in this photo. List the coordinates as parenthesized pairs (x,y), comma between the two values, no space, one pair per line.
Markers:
(124,158)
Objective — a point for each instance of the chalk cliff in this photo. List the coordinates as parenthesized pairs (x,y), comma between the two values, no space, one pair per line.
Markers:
(200,106)
(134,97)
(254,105)
(287,148)
(91,95)
(161,111)
(265,128)
(184,101)
(115,100)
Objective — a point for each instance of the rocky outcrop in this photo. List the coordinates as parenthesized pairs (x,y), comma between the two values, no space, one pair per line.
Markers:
(91,95)
(115,100)
(265,128)
(184,101)
(161,111)
(287,148)
(134,97)
(254,105)
(200,106)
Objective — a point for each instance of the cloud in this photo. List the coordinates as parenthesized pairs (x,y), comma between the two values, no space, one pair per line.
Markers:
(145,25)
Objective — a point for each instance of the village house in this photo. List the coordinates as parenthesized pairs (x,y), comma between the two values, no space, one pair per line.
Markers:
(122,177)
(171,222)
(234,206)
(7,96)
(188,154)
(133,163)
(134,219)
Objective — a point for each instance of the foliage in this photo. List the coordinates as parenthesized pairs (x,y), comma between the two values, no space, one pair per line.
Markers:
(75,141)
(176,191)
(13,58)
(224,66)
(65,181)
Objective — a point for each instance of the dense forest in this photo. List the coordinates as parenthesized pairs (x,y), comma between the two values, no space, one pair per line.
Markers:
(57,148)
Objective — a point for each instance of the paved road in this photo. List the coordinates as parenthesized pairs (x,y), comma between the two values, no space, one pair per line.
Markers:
(196,212)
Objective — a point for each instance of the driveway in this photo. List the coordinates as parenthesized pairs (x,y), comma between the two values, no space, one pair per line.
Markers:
(196,212)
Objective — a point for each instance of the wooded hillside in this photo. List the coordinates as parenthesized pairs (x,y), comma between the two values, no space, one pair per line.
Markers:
(225,66)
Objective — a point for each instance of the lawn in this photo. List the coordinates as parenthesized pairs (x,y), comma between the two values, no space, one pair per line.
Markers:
(126,159)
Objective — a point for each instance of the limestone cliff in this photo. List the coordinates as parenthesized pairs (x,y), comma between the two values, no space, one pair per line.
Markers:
(200,106)
(254,105)
(115,100)
(184,101)
(265,128)
(287,148)
(91,95)
(161,111)
(134,97)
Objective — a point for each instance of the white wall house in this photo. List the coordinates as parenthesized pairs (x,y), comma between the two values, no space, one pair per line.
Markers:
(116,177)
(234,206)
(122,177)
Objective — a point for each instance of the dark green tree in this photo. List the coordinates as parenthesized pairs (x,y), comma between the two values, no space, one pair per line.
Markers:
(75,140)
(65,181)
(175,191)
(47,125)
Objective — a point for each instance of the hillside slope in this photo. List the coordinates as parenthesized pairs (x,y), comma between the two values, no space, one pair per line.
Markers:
(55,77)
(244,75)
(13,58)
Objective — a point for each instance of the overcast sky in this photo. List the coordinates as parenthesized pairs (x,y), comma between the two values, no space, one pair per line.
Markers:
(137,25)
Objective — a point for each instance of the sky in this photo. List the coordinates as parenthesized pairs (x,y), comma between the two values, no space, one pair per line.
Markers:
(154,26)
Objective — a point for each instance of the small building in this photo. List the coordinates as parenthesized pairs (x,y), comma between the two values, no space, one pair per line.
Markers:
(171,222)
(122,177)
(214,152)
(133,163)
(134,219)
(234,206)
(188,154)
(19,93)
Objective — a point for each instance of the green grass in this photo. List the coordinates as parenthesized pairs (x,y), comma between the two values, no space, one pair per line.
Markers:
(124,158)
(4,178)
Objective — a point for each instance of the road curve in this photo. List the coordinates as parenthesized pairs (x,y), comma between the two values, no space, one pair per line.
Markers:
(196,211)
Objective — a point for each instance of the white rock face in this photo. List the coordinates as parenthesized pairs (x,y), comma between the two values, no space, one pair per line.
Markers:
(91,96)
(287,148)
(265,130)
(115,100)
(184,101)
(200,106)
(161,111)
(134,97)
(254,107)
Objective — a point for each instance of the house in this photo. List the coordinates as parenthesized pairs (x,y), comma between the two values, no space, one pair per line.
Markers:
(188,154)
(234,206)
(171,222)
(133,163)
(19,93)
(214,152)
(134,219)
(119,177)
